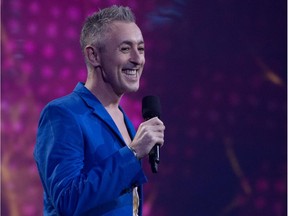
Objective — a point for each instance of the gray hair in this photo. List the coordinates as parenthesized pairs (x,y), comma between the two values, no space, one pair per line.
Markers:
(97,24)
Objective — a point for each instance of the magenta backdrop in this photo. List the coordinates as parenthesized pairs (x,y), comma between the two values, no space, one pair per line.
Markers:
(219,67)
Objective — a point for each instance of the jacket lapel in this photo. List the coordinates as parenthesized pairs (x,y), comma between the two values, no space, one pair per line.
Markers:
(129,125)
(98,109)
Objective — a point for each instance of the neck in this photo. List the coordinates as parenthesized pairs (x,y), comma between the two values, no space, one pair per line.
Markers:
(104,93)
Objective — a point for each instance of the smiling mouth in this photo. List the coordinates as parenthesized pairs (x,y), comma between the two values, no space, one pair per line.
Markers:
(130,72)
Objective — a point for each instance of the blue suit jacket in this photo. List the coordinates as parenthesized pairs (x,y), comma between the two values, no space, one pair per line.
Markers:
(84,164)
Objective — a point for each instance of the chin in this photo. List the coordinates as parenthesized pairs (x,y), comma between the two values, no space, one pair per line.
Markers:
(133,89)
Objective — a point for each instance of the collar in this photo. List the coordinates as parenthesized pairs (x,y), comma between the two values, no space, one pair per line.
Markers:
(99,110)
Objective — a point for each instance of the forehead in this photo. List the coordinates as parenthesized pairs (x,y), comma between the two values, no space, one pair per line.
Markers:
(122,31)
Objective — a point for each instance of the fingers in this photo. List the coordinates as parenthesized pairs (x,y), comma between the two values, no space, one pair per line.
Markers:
(154,128)
(154,121)
(154,124)
(149,133)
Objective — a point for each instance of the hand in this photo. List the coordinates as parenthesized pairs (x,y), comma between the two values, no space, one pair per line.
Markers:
(148,134)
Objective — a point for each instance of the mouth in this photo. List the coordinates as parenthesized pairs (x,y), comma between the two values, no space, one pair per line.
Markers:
(131,73)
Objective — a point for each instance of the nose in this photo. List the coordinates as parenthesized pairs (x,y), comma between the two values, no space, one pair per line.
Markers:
(137,57)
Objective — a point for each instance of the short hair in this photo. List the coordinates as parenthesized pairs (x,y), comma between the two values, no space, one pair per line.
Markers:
(97,24)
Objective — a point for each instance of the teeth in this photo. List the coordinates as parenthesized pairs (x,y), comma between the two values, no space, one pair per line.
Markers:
(130,72)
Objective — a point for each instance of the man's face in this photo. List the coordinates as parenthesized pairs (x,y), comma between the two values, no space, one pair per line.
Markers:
(122,59)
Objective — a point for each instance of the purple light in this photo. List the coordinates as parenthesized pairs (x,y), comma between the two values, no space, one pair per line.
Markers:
(52,30)
(48,51)
(34,7)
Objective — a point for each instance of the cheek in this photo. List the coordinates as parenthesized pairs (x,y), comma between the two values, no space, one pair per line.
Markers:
(115,62)
(110,66)
(143,62)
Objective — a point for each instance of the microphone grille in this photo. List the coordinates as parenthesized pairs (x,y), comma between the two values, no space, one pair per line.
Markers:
(151,107)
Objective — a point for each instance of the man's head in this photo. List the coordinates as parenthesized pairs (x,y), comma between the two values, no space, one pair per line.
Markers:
(113,47)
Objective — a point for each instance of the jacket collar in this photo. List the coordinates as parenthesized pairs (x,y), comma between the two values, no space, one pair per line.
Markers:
(98,109)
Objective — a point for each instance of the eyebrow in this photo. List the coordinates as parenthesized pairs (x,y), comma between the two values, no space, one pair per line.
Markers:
(131,43)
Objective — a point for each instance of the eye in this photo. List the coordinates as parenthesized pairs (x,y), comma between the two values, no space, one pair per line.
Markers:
(125,49)
(141,49)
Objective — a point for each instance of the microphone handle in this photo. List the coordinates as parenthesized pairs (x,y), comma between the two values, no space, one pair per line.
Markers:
(154,158)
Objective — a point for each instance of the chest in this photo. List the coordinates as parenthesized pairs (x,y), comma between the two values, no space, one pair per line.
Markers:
(118,119)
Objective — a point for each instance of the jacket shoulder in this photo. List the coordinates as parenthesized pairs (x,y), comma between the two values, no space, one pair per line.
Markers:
(67,99)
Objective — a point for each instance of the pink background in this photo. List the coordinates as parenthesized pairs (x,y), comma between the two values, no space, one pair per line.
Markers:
(219,67)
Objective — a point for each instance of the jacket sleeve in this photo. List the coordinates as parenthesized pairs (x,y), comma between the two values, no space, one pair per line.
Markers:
(59,154)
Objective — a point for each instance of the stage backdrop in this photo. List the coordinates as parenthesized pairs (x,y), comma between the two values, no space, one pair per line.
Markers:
(219,67)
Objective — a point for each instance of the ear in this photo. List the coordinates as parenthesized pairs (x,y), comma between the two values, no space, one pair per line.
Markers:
(92,56)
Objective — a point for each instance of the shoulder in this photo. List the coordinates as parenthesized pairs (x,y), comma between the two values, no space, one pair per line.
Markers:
(70,104)
(70,101)
(64,101)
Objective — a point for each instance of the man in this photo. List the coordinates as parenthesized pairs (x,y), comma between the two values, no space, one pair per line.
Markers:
(87,151)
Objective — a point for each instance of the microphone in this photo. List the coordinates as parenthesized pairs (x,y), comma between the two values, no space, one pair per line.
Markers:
(151,108)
